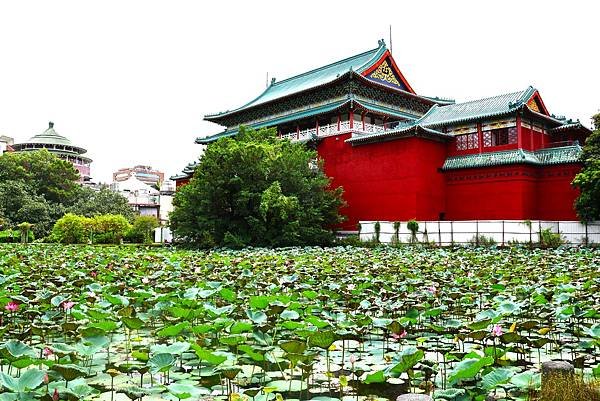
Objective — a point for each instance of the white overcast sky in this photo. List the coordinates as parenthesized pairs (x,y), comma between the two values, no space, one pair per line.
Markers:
(131,80)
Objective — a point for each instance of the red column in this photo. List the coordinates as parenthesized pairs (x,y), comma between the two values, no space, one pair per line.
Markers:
(297,131)
(480,137)
(351,119)
(362,118)
(519,133)
(317,126)
(531,134)
(339,119)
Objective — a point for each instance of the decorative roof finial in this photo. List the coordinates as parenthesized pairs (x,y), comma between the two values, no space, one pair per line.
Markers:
(273,80)
(381,42)
(50,124)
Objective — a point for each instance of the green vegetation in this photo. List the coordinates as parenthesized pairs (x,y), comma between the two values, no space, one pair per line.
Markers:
(92,203)
(39,188)
(295,323)
(142,230)
(255,189)
(588,180)
(413,227)
(102,229)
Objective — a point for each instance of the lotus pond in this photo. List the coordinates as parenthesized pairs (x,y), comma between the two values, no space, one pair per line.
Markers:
(127,323)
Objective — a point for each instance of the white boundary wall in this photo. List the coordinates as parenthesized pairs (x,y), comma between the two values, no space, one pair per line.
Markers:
(503,232)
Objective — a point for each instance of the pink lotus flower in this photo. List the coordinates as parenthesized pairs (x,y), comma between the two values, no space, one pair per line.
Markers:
(433,290)
(46,378)
(55,396)
(93,274)
(47,352)
(497,330)
(399,336)
(68,305)
(12,306)
(352,359)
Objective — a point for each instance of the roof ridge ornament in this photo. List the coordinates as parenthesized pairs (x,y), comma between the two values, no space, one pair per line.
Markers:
(50,124)
(381,42)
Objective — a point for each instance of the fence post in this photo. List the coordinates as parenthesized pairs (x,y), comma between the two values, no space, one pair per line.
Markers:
(451,232)
(476,232)
(439,233)
(502,232)
(558,227)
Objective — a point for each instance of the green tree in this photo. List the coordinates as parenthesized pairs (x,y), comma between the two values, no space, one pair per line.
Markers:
(45,174)
(36,187)
(142,229)
(588,179)
(255,189)
(92,203)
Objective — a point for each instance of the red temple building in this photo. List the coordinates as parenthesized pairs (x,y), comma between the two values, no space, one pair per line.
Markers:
(399,155)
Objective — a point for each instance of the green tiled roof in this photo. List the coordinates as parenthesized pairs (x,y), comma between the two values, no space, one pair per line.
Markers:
(187,172)
(385,110)
(402,130)
(283,119)
(570,126)
(51,139)
(477,109)
(542,157)
(313,78)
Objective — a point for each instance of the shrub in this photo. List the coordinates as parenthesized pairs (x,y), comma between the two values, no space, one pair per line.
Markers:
(377,232)
(413,226)
(482,240)
(104,229)
(548,239)
(109,228)
(142,229)
(396,237)
(70,229)
(350,240)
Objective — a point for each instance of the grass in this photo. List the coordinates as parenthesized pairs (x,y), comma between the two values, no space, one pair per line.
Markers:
(566,388)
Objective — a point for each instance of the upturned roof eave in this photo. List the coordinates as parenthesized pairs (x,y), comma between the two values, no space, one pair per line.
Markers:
(513,157)
(377,53)
(405,132)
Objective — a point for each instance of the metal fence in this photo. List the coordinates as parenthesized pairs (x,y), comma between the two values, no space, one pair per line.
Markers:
(502,232)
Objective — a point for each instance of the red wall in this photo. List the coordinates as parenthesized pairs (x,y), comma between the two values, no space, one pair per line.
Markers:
(555,194)
(393,180)
(494,193)
(400,180)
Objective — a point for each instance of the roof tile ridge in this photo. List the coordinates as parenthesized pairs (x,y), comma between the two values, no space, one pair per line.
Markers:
(482,99)
(327,66)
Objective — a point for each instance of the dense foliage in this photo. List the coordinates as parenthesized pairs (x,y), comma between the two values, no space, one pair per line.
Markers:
(39,188)
(101,229)
(92,203)
(36,187)
(588,180)
(255,189)
(336,323)
(142,230)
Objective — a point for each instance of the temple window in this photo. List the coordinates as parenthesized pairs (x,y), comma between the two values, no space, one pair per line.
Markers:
(467,141)
(500,136)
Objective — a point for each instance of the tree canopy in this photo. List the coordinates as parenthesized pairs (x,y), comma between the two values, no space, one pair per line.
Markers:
(255,189)
(92,203)
(588,180)
(39,188)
